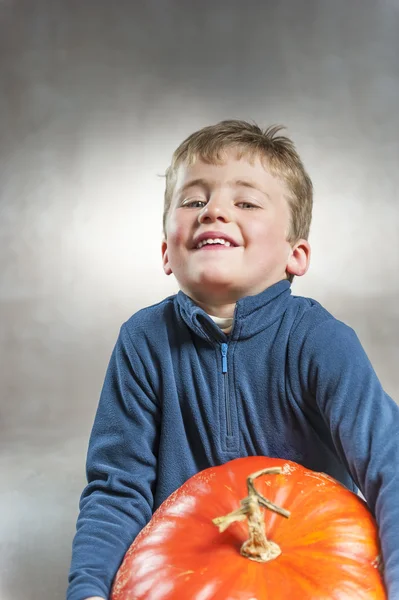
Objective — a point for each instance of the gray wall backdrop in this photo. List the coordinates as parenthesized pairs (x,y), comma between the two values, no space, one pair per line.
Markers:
(94,97)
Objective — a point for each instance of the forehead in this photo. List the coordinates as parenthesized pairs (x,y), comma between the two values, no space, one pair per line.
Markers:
(232,165)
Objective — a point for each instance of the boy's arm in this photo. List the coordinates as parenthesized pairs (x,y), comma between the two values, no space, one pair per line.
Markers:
(364,425)
(121,473)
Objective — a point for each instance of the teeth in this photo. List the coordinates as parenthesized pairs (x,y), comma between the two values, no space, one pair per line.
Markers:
(213,241)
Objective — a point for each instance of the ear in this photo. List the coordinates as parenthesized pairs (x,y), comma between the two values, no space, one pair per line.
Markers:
(299,258)
(165,258)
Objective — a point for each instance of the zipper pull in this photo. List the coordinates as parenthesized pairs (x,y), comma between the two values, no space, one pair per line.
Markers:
(224,358)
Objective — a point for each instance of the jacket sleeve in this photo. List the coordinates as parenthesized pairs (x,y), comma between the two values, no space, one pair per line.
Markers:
(364,425)
(121,473)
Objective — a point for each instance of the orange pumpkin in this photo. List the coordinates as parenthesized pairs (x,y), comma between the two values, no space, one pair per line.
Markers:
(309,538)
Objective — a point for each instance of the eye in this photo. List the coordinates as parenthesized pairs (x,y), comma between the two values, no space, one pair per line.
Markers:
(247,205)
(194,203)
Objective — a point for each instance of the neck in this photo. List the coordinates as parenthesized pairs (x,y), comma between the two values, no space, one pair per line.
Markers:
(217,310)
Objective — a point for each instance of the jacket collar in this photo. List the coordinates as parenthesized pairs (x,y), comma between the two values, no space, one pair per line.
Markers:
(252,313)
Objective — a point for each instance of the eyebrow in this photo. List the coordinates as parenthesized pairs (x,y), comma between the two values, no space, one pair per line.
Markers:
(200,182)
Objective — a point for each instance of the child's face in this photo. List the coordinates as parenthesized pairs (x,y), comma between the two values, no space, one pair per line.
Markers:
(239,201)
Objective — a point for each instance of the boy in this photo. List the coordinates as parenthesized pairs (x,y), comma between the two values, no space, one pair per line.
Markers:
(233,365)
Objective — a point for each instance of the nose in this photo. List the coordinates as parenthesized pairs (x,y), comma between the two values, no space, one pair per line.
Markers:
(216,209)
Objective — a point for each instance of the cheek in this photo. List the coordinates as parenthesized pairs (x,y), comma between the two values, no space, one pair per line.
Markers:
(267,233)
(270,236)
(177,233)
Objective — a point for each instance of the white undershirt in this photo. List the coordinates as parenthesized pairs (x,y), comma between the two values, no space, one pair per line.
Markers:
(225,324)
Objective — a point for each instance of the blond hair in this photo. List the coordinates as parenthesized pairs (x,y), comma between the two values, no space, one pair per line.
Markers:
(280,154)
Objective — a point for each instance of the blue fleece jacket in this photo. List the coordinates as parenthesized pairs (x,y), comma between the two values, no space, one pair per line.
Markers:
(180,396)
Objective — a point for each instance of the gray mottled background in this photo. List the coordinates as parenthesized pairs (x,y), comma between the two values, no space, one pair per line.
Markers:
(94,97)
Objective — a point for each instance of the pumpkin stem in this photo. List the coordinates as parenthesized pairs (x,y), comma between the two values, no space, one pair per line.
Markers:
(257,547)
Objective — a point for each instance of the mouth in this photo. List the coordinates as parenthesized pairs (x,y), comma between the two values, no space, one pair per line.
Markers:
(213,241)
(218,244)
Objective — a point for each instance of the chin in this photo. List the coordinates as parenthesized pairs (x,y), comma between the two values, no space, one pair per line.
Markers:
(215,283)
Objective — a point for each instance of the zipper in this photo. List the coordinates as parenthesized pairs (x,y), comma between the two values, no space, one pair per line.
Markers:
(229,428)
